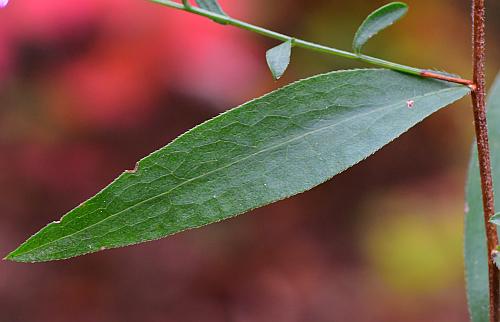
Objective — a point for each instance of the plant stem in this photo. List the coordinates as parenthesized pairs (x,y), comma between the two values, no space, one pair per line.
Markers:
(226,20)
(479,107)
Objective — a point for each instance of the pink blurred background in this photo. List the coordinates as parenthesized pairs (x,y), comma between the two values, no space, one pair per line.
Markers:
(89,87)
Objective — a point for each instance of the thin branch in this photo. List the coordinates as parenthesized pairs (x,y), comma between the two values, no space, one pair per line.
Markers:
(452,79)
(479,107)
(226,20)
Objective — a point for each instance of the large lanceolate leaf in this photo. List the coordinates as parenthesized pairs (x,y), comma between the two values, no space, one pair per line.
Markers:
(377,21)
(268,149)
(476,253)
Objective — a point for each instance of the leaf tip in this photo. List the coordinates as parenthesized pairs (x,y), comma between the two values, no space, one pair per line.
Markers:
(400,4)
(20,255)
(278,58)
(13,256)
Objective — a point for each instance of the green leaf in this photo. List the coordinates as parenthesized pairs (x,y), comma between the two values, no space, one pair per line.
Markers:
(377,21)
(278,58)
(496,219)
(476,253)
(496,258)
(211,5)
(268,149)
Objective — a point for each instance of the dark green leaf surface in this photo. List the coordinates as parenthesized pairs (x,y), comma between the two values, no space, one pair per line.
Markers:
(211,5)
(377,21)
(266,150)
(476,253)
(278,58)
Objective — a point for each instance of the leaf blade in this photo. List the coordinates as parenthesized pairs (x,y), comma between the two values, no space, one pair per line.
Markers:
(278,58)
(475,250)
(248,157)
(212,6)
(378,20)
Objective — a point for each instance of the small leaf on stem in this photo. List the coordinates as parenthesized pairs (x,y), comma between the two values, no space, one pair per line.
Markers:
(278,58)
(377,21)
(496,219)
(496,258)
(212,6)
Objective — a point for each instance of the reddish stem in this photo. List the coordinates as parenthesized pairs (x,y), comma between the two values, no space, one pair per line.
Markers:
(430,74)
(479,107)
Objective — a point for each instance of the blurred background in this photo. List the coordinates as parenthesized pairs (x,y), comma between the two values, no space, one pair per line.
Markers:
(89,87)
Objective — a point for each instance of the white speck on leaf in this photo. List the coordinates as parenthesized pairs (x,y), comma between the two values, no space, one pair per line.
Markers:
(466,207)
(410,103)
